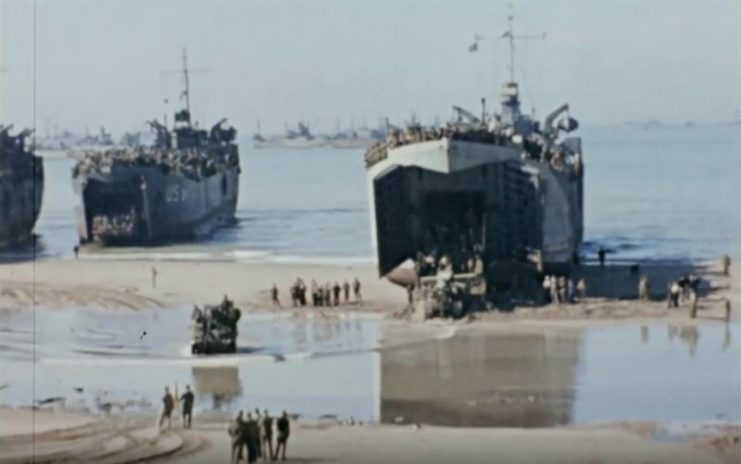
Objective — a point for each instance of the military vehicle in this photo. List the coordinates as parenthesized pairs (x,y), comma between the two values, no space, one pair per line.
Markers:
(21,187)
(215,328)
(183,187)
(497,189)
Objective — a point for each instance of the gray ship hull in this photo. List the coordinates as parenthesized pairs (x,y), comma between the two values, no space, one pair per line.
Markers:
(519,210)
(131,205)
(20,205)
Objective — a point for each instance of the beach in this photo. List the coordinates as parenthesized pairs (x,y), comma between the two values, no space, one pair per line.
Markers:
(55,286)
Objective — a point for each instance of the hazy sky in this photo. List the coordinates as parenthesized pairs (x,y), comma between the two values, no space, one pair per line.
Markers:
(101,62)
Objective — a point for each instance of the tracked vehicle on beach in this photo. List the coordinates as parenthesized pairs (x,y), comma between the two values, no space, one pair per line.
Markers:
(183,187)
(215,328)
(21,187)
(493,197)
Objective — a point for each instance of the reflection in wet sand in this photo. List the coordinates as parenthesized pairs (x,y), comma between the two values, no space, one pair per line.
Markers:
(221,383)
(508,381)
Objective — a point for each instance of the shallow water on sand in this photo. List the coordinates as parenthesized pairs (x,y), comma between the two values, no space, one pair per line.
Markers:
(318,366)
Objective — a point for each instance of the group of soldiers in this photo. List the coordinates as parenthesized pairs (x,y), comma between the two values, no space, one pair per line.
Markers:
(254,434)
(191,162)
(168,406)
(326,295)
(562,289)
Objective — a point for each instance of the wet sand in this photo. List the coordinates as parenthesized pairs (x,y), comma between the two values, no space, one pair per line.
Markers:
(99,440)
(127,285)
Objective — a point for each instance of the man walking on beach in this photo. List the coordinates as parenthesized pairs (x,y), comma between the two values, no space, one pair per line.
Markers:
(267,428)
(274,296)
(336,290)
(581,289)
(346,290)
(236,433)
(154,277)
(643,289)
(726,264)
(601,256)
(168,404)
(188,399)
(284,430)
(356,290)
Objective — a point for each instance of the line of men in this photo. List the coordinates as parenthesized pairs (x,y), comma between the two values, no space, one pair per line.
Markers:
(563,290)
(328,295)
(254,434)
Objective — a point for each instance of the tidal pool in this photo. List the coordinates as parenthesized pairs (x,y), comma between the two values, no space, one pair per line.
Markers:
(317,366)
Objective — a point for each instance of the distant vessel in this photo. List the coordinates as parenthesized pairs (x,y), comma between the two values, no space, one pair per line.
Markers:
(21,187)
(495,195)
(299,138)
(182,187)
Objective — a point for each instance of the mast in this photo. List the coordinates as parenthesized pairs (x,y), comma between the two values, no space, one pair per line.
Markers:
(186,92)
(509,34)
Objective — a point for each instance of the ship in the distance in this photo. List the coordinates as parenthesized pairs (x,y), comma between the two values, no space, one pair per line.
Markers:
(495,196)
(183,187)
(21,188)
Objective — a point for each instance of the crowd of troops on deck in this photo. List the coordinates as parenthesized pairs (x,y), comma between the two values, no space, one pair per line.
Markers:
(534,146)
(327,295)
(121,224)
(192,163)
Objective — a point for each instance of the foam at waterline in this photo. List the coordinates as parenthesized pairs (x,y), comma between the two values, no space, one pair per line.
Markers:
(322,260)
(101,357)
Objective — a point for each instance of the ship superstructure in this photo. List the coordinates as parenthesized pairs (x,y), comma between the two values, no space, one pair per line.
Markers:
(182,187)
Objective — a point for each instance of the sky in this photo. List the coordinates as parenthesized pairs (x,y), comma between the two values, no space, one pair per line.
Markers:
(108,62)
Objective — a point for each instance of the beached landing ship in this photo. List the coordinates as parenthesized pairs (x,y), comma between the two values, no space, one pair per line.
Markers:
(21,188)
(495,197)
(183,187)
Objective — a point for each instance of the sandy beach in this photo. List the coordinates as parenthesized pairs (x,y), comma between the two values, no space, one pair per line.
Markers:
(124,285)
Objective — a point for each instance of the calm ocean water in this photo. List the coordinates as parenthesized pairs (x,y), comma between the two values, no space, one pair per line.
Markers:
(659,193)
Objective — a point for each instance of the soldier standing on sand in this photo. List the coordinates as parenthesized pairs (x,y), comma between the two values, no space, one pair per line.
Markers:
(581,288)
(727,302)
(726,264)
(250,438)
(188,399)
(236,433)
(356,290)
(346,290)
(284,430)
(154,277)
(328,294)
(274,296)
(643,290)
(601,256)
(168,404)
(260,435)
(267,445)
(336,290)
